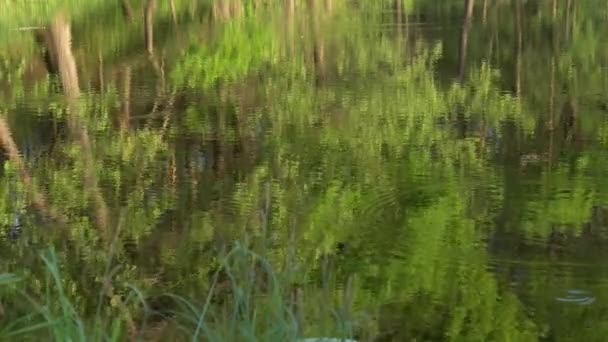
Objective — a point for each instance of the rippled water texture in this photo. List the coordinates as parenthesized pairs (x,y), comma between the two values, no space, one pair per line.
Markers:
(409,170)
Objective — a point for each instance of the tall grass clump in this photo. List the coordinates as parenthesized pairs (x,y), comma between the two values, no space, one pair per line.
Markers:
(246,301)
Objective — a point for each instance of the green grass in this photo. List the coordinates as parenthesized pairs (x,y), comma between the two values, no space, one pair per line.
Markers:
(247,301)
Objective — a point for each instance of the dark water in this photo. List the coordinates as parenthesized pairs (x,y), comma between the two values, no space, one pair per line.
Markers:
(414,169)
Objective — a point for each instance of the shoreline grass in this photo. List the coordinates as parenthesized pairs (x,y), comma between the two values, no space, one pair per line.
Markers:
(250,304)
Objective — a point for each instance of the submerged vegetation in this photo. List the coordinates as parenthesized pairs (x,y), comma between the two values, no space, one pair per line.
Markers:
(274,170)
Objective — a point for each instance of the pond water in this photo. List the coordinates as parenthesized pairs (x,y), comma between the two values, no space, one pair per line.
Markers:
(391,170)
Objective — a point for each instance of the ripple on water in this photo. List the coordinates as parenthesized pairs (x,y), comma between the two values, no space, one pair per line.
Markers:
(577,297)
(378,203)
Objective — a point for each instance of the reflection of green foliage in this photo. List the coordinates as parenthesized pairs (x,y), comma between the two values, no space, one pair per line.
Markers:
(241,48)
(566,206)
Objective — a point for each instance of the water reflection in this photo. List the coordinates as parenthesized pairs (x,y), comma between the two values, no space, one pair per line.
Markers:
(429,170)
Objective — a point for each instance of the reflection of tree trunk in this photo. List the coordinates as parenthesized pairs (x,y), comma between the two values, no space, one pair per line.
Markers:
(128,11)
(552,95)
(290,31)
(484,13)
(126,99)
(173,172)
(237,8)
(399,24)
(173,12)
(226,9)
(398,13)
(551,111)
(149,25)
(220,10)
(491,36)
(469,5)
(319,46)
(495,28)
(60,44)
(299,309)
(573,22)
(568,9)
(38,198)
(319,58)
(329,5)
(464,38)
(348,299)
(568,119)
(554,9)
(518,50)
(100,74)
(62,57)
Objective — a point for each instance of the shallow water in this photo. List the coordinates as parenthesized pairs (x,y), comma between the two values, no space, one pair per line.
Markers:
(423,172)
